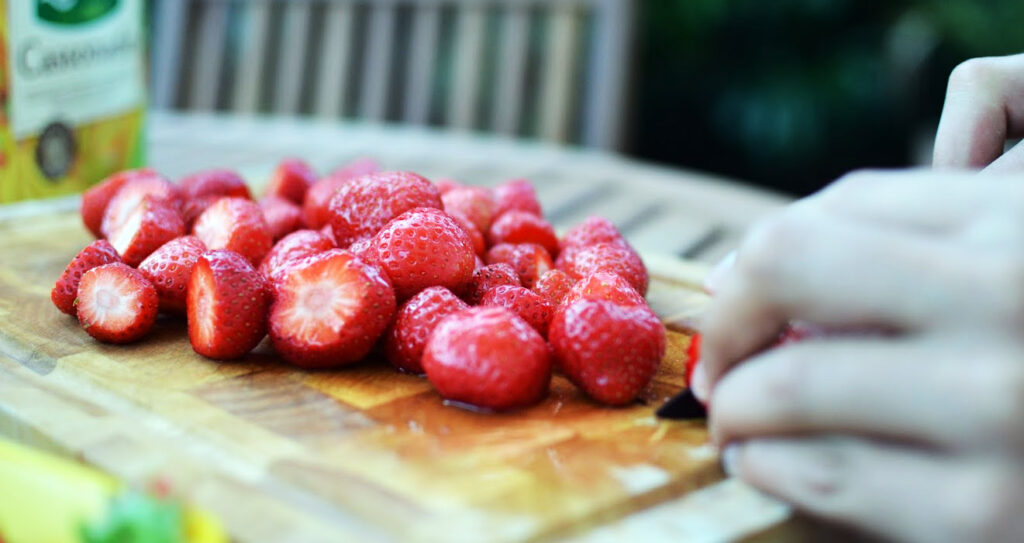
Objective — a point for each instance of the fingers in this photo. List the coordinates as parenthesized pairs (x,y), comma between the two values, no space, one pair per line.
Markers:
(898,493)
(983,107)
(1012,162)
(918,390)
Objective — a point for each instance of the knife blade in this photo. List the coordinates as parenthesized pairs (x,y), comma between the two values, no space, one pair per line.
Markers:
(682,406)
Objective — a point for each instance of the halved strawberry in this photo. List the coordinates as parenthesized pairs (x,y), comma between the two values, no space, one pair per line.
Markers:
(95,199)
(361,208)
(408,334)
(605,286)
(116,304)
(528,259)
(476,203)
(290,180)
(487,277)
(169,269)
(530,306)
(201,189)
(692,356)
(516,194)
(282,216)
(127,198)
(329,310)
(516,226)
(97,253)
(614,257)
(235,224)
(226,306)
(554,285)
(151,223)
(298,244)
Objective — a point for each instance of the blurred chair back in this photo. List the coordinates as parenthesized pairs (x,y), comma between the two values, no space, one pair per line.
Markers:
(551,69)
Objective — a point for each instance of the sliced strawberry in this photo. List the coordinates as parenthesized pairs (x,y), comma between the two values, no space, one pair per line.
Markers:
(202,189)
(235,224)
(591,231)
(169,269)
(95,199)
(290,180)
(131,193)
(554,285)
(361,208)
(316,206)
(605,286)
(528,259)
(97,253)
(475,237)
(516,194)
(329,310)
(282,216)
(329,232)
(408,334)
(476,203)
(488,277)
(488,357)
(116,304)
(299,244)
(616,257)
(530,306)
(227,306)
(357,168)
(522,227)
(152,223)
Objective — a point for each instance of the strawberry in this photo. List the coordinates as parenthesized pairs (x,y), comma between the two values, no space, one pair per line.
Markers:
(408,334)
(488,277)
(316,206)
(475,237)
(329,310)
(97,253)
(152,223)
(357,168)
(116,304)
(554,285)
(202,189)
(290,180)
(422,248)
(516,194)
(522,227)
(610,351)
(361,208)
(692,356)
(329,232)
(169,269)
(282,216)
(127,198)
(445,184)
(489,358)
(605,286)
(235,224)
(476,203)
(95,200)
(364,250)
(530,306)
(293,247)
(616,257)
(591,231)
(528,259)
(226,306)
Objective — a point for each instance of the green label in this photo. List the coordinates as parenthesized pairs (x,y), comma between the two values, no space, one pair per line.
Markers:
(73,12)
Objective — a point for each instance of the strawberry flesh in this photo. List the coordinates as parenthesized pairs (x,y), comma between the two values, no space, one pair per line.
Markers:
(97,253)
(153,222)
(235,224)
(116,304)
(290,180)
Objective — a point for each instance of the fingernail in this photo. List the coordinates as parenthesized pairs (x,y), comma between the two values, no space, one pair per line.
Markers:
(699,383)
(730,457)
(717,274)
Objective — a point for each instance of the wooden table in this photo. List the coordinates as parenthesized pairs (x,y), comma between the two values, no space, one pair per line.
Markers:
(666,211)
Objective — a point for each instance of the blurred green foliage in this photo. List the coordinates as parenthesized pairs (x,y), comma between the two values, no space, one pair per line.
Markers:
(792,93)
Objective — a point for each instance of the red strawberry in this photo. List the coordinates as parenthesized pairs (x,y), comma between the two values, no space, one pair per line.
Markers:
(298,244)
(361,208)
(235,224)
(528,259)
(444,185)
(521,227)
(116,304)
(692,356)
(291,180)
(169,269)
(610,351)
(422,248)
(488,277)
(532,307)
(554,285)
(516,194)
(282,216)
(357,168)
(97,253)
(329,310)
(131,193)
(616,257)
(488,357)
(476,203)
(364,250)
(202,189)
(152,223)
(475,237)
(605,286)
(591,231)
(226,306)
(329,232)
(95,200)
(407,337)
(316,206)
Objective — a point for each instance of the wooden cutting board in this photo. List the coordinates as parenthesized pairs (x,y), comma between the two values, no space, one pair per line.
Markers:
(361,453)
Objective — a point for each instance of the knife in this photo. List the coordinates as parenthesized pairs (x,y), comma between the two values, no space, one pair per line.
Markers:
(682,406)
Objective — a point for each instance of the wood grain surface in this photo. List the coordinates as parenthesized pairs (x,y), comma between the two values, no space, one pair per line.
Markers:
(361,453)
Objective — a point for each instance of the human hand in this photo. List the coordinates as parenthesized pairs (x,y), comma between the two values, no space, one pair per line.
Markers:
(915,434)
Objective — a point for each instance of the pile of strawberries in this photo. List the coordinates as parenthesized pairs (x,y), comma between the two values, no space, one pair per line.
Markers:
(468,285)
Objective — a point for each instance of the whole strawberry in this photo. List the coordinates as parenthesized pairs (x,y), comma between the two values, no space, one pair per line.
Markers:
(516,194)
(523,227)
(299,244)
(422,248)
(361,208)
(616,257)
(226,306)
(530,306)
(282,216)
(475,203)
(97,253)
(554,285)
(356,168)
(475,237)
(528,259)
(489,358)
(116,304)
(408,334)
(329,310)
(591,231)
(235,224)
(169,269)
(605,286)
(610,351)
(488,277)
(95,199)
(290,180)
(153,222)
(316,213)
